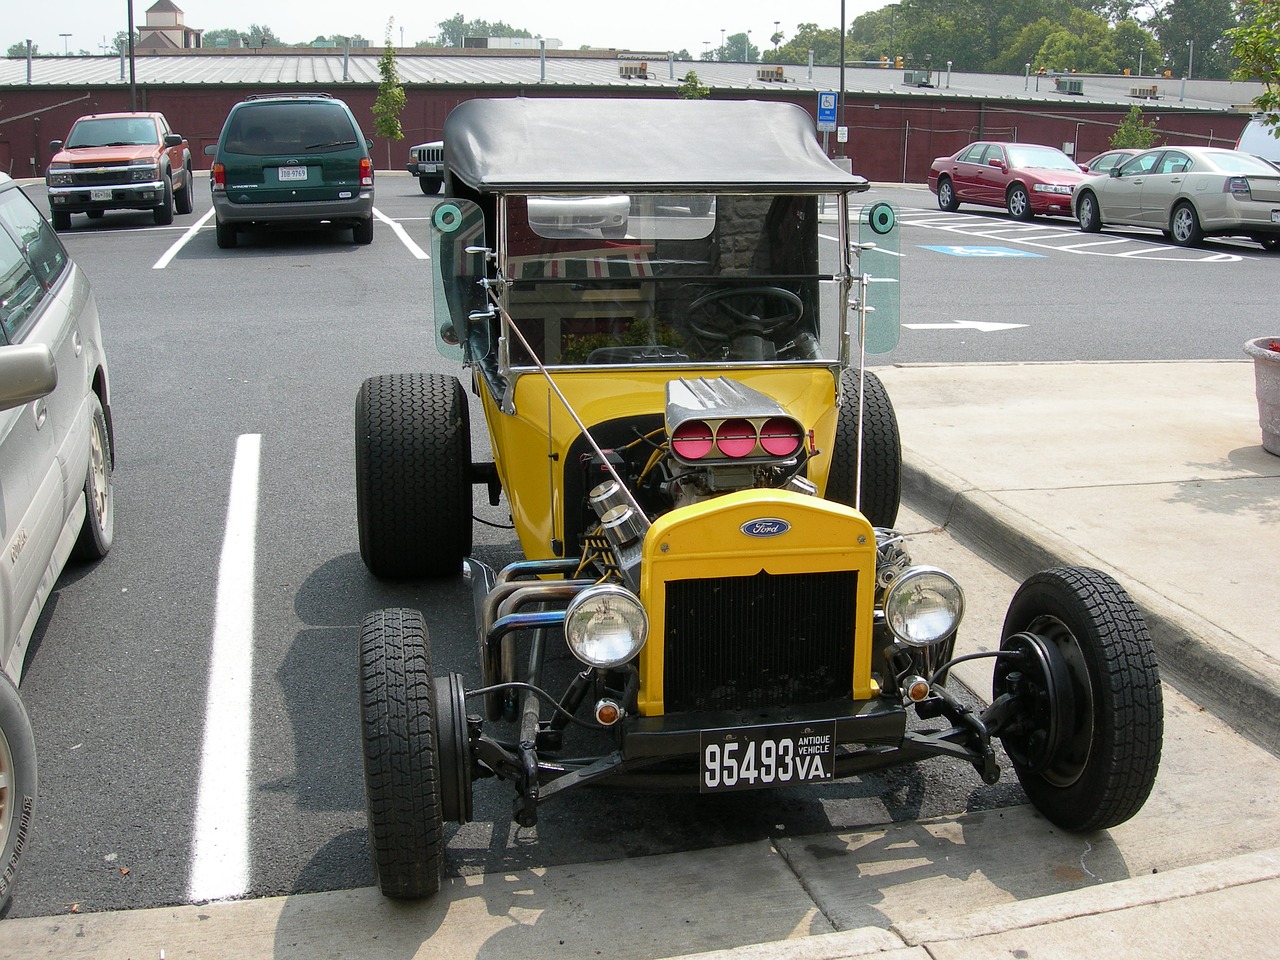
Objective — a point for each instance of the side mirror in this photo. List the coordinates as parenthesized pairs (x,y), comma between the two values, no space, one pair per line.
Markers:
(368,143)
(998,164)
(172,140)
(55,145)
(27,372)
(210,149)
(1115,171)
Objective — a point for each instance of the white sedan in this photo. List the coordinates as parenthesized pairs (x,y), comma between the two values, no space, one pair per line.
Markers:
(56,456)
(1188,193)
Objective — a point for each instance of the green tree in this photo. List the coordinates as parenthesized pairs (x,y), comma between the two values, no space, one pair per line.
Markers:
(1255,44)
(391,97)
(458,27)
(738,46)
(692,88)
(1084,45)
(1132,132)
(262,36)
(1204,22)
(824,42)
(19,49)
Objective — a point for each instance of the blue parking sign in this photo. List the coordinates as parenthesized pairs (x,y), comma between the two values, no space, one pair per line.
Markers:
(826,111)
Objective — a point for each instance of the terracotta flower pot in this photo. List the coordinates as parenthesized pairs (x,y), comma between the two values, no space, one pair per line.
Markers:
(1266,372)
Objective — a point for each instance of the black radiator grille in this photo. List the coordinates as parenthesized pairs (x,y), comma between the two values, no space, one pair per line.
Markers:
(741,643)
(96,177)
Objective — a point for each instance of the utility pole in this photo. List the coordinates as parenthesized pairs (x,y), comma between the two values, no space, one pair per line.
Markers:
(133,82)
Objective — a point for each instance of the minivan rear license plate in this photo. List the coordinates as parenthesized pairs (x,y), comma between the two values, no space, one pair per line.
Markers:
(752,758)
(292,173)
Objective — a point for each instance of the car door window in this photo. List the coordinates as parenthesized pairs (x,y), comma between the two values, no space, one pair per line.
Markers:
(1173,161)
(43,250)
(973,154)
(20,291)
(1143,163)
(994,152)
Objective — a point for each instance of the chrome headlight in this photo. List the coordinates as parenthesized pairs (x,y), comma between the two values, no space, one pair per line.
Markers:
(144,172)
(923,605)
(605,625)
(60,175)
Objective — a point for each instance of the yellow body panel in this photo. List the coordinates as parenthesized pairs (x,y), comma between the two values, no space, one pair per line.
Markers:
(706,540)
(531,444)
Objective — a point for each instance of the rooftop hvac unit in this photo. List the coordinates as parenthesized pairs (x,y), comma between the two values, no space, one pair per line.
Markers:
(917,78)
(1071,85)
(634,71)
(770,74)
(1146,93)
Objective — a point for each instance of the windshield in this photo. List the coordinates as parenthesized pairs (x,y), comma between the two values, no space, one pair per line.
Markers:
(112,132)
(666,278)
(1040,158)
(1229,161)
(288,127)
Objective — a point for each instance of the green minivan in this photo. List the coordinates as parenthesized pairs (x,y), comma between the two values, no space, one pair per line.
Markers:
(290,160)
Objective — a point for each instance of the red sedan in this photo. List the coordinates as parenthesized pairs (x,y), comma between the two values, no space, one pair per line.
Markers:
(1025,178)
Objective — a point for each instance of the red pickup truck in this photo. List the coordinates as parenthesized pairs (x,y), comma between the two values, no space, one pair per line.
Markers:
(119,161)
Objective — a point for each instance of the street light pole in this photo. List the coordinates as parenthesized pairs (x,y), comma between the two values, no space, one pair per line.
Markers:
(64,43)
(746,48)
(720,52)
(840,122)
(133,82)
(1191,47)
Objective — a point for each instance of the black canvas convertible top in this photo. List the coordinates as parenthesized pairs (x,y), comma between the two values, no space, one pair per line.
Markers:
(628,145)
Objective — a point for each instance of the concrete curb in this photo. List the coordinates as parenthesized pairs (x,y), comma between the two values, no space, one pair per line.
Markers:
(1234,681)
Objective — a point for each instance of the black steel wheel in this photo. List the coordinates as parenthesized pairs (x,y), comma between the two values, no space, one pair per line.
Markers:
(1087,723)
(413,475)
(163,214)
(947,195)
(1087,213)
(401,760)
(17,784)
(98,529)
(453,743)
(1018,202)
(881,451)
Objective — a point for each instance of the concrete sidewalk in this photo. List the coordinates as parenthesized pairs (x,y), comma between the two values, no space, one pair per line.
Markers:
(1153,472)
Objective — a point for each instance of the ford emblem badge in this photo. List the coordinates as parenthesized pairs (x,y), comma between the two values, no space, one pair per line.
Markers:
(765,527)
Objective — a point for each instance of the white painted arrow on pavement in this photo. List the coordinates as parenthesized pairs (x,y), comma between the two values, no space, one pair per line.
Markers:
(966,325)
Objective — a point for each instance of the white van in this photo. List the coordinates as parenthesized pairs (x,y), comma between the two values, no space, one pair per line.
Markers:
(1261,139)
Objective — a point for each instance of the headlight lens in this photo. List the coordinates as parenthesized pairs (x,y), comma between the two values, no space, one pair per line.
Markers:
(145,173)
(605,625)
(923,606)
(1051,188)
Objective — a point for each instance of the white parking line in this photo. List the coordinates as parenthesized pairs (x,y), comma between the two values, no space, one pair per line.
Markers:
(181,242)
(400,231)
(220,846)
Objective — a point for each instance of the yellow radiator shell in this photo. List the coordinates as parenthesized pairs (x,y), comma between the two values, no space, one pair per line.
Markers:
(706,540)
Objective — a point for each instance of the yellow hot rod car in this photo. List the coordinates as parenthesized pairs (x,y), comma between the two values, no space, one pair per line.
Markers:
(704,479)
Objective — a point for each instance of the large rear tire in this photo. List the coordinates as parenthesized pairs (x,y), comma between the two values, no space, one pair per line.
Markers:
(881,452)
(17,784)
(413,475)
(225,233)
(401,758)
(1087,728)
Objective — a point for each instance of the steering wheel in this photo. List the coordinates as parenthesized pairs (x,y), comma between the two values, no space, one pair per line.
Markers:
(733,321)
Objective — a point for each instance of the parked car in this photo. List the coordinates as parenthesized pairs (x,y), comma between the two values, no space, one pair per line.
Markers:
(119,161)
(564,217)
(426,162)
(1260,138)
(293,161)
(1188,193)
(1027,179)
(704,483)
(1103,162)
(56,456)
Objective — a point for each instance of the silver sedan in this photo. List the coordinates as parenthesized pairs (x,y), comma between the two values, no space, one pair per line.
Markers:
(1188,193)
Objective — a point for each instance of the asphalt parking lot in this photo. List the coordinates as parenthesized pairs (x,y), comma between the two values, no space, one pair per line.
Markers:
(238,369)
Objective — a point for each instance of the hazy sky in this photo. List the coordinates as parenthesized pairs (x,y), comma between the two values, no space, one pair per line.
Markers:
(652,25)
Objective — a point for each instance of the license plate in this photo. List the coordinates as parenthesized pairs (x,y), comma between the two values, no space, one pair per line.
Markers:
(292,173)
(99,194)
(752,758)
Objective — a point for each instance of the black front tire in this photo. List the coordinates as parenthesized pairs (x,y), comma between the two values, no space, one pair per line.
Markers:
(61,220)
(163,214)
(1018,202)
(98,530)
(17,784)
(881,451)
(401,755)
(1088,214)
(947,195)
(413,475)
(430,185)
(1090,763)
